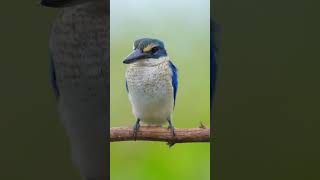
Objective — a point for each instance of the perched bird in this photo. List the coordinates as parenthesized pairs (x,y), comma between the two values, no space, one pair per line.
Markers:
(152,83)
(79,55)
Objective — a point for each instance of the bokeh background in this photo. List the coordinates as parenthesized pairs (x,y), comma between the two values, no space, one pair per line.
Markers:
(266,115)
(184,27)
(34,145)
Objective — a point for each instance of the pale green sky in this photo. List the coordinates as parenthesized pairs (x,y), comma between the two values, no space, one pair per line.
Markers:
(157,16)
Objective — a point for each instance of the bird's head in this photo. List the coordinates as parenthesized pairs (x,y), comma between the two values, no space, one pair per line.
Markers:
(146,49)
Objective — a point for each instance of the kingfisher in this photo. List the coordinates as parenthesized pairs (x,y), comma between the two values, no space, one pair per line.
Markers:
(79,55)
(151,83)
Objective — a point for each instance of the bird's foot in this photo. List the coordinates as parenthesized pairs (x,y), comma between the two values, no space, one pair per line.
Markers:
(173,131)
(171,142)
(136,129)
(171,127)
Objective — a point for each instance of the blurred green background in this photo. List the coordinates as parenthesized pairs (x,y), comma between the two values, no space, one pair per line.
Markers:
(33,145)
(184,27)
(266,114)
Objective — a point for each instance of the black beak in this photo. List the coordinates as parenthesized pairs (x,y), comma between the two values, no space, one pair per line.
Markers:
(135,56)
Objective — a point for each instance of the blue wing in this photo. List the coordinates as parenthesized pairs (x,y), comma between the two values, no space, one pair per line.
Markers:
(174,71)
(54,78)
(127,86)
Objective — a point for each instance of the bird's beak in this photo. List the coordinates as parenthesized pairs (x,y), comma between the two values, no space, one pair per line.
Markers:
(135,56)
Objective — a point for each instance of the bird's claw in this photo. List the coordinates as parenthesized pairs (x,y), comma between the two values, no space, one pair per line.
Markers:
(173,131)
(170,144)
(135,130)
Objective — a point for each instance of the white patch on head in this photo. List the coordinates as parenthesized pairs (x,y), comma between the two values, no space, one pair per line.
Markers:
(150,61)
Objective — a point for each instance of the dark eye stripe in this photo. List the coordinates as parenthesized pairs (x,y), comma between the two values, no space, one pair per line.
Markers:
(154,49)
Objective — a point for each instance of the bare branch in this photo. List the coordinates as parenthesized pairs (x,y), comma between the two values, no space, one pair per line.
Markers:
(183,135)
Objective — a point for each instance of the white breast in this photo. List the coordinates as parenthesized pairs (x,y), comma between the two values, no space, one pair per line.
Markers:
(150,92)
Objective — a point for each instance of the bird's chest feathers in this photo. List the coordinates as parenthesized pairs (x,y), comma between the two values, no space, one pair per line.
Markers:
(149,82)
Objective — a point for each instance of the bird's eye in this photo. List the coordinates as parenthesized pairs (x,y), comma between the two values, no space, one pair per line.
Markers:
(154,50)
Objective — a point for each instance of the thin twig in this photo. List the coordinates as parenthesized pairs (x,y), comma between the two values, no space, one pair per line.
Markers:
(183,135)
